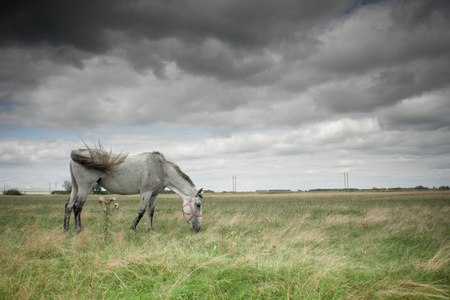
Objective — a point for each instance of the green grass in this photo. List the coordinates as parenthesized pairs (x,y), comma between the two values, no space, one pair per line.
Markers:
(251,246)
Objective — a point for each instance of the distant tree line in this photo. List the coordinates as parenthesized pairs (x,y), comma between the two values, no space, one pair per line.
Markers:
(14,192)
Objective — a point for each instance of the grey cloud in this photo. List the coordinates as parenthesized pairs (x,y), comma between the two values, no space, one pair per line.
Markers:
(393,85)
(18,69)
(385,35)
(23,70)
(427,112)
(383,88)
(420,12)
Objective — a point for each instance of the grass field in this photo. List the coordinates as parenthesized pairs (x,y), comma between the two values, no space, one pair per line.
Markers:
(385,245)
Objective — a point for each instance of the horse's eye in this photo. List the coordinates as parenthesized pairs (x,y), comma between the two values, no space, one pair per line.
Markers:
(198,203)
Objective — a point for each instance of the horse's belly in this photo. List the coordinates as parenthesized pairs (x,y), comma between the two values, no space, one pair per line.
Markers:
(117,187)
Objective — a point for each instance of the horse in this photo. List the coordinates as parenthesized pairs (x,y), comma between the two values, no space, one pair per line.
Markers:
(146,174)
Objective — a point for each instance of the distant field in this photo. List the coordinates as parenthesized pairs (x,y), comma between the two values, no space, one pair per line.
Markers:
(386,245)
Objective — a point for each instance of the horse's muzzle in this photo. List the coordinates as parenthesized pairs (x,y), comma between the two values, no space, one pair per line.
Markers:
(196,224)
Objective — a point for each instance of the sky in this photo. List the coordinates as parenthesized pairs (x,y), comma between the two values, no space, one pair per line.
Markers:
(282,94)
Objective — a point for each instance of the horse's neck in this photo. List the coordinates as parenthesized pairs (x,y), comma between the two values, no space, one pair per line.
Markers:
(178,184)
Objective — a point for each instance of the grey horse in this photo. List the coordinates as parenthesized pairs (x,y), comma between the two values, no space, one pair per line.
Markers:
(146,174)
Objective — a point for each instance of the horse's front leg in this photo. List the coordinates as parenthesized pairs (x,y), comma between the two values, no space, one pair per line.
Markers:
(151,211)
(136,221)
(143,203)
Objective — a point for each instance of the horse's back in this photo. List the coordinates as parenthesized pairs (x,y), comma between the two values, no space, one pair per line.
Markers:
(137,173)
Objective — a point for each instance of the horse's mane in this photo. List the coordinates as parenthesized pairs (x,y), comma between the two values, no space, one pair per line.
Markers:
(98,158)
(176,167)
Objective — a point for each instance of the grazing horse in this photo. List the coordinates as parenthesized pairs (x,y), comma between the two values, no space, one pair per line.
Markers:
(145,173)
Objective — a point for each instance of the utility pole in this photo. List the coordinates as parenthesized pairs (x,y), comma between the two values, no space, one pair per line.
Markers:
(346,185)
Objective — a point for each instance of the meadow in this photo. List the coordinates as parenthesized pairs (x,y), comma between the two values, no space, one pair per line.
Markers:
(357,245)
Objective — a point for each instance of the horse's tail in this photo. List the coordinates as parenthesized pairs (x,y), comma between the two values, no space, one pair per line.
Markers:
(97,159)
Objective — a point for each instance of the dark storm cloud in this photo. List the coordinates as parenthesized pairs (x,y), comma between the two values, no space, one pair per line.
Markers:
(84,24)
(95,27)
(79,24)
(226,39)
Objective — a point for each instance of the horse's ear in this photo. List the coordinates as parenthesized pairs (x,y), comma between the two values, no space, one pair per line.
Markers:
(199,192)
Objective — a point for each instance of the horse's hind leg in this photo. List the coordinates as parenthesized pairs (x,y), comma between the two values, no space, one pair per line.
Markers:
(69,206)
(67,213)
(82,182)
(71,201)
(78,206)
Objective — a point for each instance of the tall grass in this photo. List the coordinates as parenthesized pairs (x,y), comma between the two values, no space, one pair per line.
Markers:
(260,246)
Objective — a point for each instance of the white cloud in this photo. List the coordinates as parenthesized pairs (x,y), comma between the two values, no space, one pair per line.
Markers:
(302,158)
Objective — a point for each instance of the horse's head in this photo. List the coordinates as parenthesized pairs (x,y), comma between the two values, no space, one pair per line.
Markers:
(192,210)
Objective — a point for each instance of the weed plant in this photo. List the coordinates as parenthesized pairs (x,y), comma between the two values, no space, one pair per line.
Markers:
(252,246)
(105,205)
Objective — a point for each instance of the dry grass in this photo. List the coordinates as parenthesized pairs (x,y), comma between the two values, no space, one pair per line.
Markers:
(292,246)
(438,262)
(413,290)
